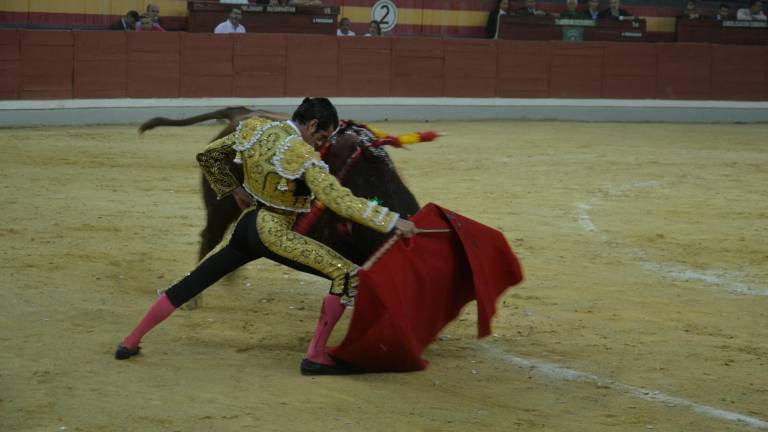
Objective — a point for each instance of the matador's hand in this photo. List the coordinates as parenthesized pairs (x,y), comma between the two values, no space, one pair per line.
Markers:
(405,228)
(243,198)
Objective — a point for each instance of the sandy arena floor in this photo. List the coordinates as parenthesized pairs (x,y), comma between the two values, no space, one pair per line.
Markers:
(645,306)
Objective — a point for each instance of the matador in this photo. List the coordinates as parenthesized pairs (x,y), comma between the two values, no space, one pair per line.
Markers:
(283,175)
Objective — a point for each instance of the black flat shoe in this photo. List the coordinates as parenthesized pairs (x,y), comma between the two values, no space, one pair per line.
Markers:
(124,353)
(308,367)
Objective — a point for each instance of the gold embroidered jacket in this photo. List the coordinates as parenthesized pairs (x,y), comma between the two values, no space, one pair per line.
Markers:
(284,172)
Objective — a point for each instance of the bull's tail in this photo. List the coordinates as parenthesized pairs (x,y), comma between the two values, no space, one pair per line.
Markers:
(232,114)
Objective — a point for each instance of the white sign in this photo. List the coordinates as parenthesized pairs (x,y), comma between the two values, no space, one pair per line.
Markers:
(385,12)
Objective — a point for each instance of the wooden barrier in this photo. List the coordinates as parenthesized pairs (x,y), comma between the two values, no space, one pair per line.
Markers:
(153,65)
(65,64)
(101,65)
(47,65)
(10,64)
(259,65)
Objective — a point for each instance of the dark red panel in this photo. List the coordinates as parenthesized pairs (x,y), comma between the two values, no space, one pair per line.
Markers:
(206,65)
(9,45)
(9,79)
(33,37)
(154,42)
(153,75)
(417,67)
(629,71)
(101,61)
(576,69)
(684,71)
(469,68)
(101,79)
(101,46)
(206,54)
(417,77)
(10,64)
(259,44)
(738,72)
(415,47)
(47,63)
(365,67)
(259,65)
(153,64)
(312,65)
(522,69)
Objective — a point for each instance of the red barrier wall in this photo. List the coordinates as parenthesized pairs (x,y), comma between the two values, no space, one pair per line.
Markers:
(47,65)
(10,64)
(55,65)
(153,65)
(259,65)
(101,65)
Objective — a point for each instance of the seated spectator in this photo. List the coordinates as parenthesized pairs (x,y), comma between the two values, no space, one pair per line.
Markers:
(153,12)
(374,29)
(126,23)
(753,13)
(615,11)
(572,10)
(691,11)
(344,25)
(146,24)
(593,10)
(530,9)
(723,12)
(232,24)
(492,25)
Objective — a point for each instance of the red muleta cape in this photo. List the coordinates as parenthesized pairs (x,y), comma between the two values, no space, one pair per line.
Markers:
(420,285)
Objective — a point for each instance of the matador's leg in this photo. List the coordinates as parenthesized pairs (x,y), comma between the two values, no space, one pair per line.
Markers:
(275,232)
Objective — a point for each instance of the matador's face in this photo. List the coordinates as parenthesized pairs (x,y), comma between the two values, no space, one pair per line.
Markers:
(313,135)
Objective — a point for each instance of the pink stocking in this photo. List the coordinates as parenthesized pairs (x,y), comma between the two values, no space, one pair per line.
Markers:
(330,313)
(159,311)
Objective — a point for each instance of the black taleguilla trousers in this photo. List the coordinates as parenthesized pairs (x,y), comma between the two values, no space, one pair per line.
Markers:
(242,247)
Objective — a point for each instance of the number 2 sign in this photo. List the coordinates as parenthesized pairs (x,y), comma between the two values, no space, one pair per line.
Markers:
(385,12)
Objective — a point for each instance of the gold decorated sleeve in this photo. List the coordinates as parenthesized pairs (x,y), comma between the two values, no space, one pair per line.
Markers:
(336,197)
(214,161)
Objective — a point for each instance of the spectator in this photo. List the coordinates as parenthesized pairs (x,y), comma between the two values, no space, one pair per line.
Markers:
(723,12)
(127,22)
(593,10)
(572,10)
(530,9)
(494,18)
(153,12)
(753,13)
(374,29)
(343,29)
(232,24)
(691,11)
(615,11)
(146,24)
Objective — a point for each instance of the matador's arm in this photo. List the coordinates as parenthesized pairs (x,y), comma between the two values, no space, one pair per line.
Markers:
(333,195)
(214,161)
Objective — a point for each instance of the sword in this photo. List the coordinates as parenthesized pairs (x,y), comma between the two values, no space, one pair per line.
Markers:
(432,230)
(392,240)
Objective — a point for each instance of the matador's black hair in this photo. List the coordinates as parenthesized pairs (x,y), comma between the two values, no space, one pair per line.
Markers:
(317,108)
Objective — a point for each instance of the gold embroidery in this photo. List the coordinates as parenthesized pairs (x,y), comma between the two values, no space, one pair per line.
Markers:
(339,199)
(275,231)
(213,161)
